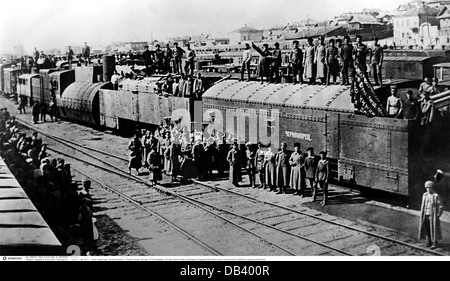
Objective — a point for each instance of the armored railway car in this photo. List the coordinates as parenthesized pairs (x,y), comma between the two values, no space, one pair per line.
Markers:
(387,154)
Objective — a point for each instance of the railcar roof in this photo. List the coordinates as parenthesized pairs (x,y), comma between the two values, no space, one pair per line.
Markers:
(334,97)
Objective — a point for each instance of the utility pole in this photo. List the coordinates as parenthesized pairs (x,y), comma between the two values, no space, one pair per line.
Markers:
(428,23)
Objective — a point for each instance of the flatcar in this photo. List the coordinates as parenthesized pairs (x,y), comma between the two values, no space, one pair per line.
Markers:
(26,87)
(386,154)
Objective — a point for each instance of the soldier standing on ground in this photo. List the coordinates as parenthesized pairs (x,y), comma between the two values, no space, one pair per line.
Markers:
(431,211)
(135,147)
(36,110)
(251,169)
(259,164)
(322,176)
(234,159)
(283,169)
(310,167)
(297,162)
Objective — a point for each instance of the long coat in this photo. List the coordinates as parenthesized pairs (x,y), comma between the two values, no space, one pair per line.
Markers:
(264,61)
(309,62)
(153,162)
(283,168)
(436,211)
(259,160)
(270,171)
(319,59)
(297,161)
(135,148)
(234,159)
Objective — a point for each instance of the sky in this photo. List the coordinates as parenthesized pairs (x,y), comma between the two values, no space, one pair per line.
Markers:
(46,24)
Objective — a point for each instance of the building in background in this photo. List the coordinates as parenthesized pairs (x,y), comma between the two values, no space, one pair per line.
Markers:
(246,34)
(416,26)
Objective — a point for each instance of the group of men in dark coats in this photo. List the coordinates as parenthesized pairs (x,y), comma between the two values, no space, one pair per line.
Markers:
(281,169)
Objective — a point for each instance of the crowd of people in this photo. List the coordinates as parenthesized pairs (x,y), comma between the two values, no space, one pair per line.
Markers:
(167,151)
(65,204)
(319,61)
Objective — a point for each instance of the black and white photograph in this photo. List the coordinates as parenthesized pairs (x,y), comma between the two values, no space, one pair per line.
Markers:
(209,129)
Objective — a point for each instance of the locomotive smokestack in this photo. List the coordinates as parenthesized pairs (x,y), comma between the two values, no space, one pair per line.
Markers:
(109,66)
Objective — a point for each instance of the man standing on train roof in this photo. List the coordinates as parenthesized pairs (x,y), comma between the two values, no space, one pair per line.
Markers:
(264,62)
(393,103)
(275,64)
(431,210)
(147,57)
(347,59)
(331,59)
(360,55)
(70,56)
(283,169)
(177,58)
(308,62)
(198,87)
(189,65)
(168,56)
(320,60)
(159,59)
(376,61)
(86,51)
(246,59)
(295,60)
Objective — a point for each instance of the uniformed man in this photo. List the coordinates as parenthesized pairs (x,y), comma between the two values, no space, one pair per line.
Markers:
(331,58)
(347,60)
(376,60)
(360,54)
(308,62)
(190,61)
(86,54)
(424,86)
(251,169)
(431,211)
(177,58)
(198,86)
(393,103)
(168,56)
(320,60)
(147,57)
(159,59)
(296,58)
(264,62)
(70,55)
(310,168)
(275,64)
(282,168)
(246,59)
(234,159)
(259,164)
(410,107)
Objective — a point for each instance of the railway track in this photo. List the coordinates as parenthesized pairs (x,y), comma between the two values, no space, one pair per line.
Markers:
(290,231)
